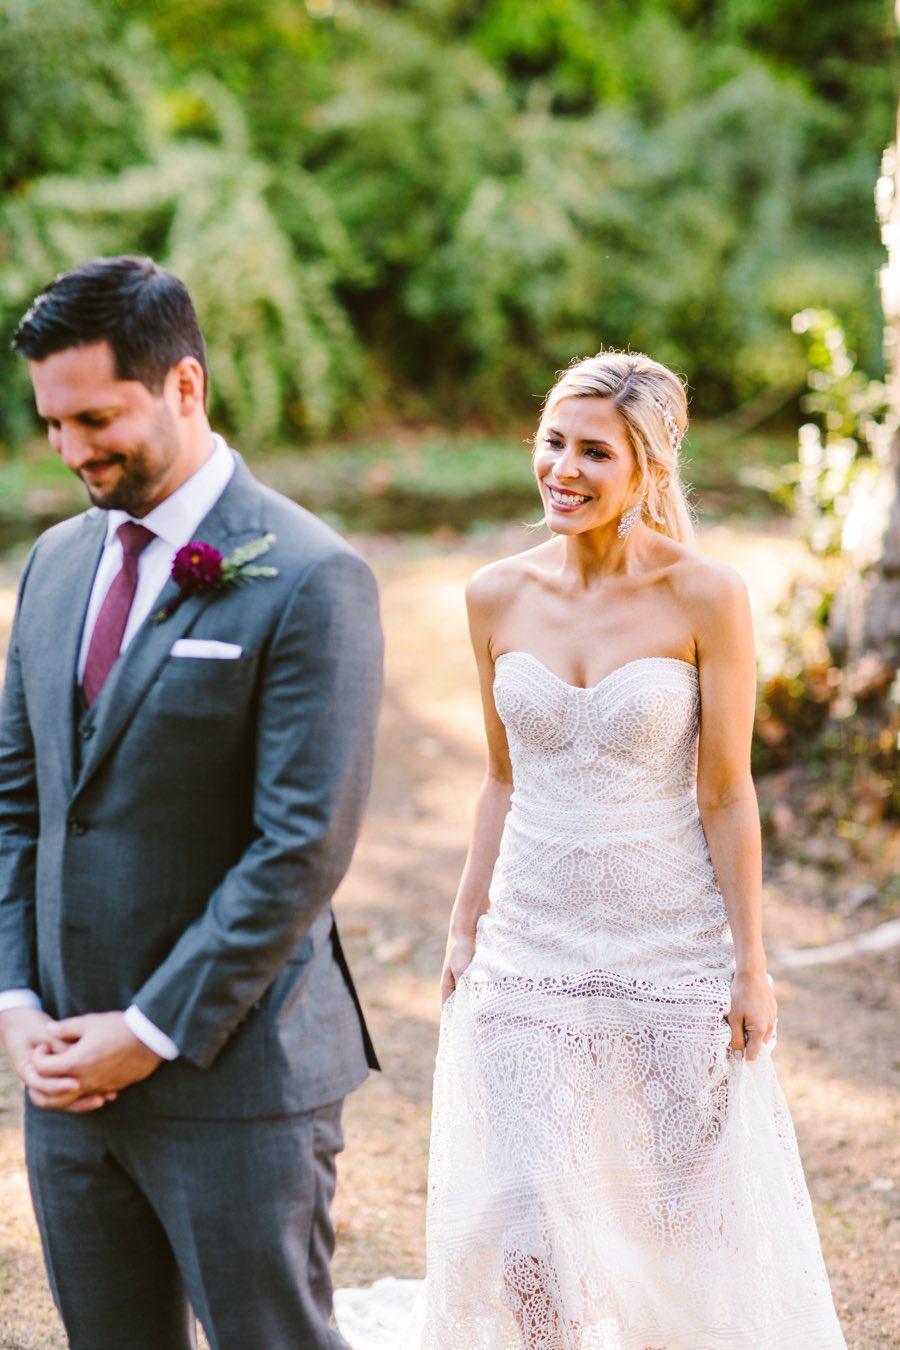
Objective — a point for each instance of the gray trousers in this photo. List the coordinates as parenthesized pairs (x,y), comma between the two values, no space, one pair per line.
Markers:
(143,1219)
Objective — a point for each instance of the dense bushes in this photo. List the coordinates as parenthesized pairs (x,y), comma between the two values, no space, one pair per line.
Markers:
(834,699)
(436,204)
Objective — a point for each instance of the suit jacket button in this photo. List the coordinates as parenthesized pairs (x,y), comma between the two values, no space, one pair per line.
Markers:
(78,826)
(257,1006)
(86,731)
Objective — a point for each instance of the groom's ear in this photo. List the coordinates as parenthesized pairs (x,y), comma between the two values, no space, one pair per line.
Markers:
(186,380)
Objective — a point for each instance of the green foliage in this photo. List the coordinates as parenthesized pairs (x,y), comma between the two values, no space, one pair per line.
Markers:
(66,94)
(437,204)
(831,704)
(282,354)
(831,484)
(511,235)
(413,484)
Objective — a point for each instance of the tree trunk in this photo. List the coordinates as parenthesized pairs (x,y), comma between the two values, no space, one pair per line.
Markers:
(878,626)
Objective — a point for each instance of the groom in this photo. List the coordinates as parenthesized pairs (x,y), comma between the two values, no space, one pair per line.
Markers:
(183,768)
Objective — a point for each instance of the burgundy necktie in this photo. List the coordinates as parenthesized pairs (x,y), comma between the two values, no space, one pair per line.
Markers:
(106,639)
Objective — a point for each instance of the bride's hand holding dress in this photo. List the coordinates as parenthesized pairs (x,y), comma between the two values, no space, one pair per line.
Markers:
(752,1014)
(458,958)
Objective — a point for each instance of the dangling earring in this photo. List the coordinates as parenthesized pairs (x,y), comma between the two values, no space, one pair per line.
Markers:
(630,518)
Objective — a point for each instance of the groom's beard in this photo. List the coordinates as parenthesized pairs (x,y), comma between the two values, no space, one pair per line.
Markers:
(144,467)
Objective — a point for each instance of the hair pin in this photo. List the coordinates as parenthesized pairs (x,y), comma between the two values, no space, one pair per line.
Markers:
(672,430)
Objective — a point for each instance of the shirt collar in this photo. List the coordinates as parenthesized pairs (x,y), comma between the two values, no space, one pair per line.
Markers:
(175,519)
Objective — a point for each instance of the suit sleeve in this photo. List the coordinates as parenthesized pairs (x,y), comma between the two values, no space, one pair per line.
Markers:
(318,707)
(19,817)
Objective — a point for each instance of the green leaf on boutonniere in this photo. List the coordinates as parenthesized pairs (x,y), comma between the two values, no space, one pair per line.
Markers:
(247,553)
(248,574)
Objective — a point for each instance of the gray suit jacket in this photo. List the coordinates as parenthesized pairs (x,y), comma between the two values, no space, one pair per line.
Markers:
(178,846)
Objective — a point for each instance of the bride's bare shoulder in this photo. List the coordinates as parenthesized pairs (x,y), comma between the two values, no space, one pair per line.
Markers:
(704,580)
(493,586)
(711,592)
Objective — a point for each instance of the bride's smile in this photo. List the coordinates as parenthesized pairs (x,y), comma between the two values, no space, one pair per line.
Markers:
(566,500)
(584,466)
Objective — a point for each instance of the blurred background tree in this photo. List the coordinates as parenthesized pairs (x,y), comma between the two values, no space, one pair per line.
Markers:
(392,209)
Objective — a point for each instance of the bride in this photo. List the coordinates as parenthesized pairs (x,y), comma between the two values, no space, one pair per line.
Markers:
(613,1166)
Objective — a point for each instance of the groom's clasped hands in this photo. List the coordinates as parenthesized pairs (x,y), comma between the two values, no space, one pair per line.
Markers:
(77,1064)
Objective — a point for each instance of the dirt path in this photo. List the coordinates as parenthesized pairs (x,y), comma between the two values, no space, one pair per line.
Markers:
(837,1057)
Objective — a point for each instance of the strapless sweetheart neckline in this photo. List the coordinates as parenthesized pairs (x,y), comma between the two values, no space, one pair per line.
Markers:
(592,688)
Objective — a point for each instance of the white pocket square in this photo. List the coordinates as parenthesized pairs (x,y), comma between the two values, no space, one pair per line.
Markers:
(208,647)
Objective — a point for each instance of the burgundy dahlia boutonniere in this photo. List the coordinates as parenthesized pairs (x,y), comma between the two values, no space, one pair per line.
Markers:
(198,567)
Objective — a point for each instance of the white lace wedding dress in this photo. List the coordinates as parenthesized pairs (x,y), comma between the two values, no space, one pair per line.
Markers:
(604,1173)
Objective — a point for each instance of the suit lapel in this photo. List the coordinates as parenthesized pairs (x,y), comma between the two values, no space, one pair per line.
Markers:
(64,627)
(234,516)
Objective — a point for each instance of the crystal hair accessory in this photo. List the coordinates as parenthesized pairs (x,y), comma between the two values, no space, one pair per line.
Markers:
(675,436)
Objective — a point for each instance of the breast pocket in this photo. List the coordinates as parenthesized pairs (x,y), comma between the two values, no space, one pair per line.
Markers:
(191,687)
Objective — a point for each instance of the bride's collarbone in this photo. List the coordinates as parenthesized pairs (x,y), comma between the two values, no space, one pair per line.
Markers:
(582,641)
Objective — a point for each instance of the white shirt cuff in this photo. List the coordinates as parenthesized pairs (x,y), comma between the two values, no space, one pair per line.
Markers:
(19,998)
(153,1038)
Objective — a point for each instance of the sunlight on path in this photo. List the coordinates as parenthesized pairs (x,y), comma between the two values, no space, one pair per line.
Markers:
(881,939)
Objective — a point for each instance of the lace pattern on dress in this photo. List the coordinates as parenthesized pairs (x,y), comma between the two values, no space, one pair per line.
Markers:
(604,1174)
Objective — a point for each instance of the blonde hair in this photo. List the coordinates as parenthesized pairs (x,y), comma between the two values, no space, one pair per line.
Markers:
(652,402)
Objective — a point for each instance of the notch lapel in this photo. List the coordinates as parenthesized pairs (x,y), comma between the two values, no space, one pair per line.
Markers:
(64,627)
(236,514)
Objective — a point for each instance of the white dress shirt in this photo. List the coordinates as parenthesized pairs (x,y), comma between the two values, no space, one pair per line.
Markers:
(173,522)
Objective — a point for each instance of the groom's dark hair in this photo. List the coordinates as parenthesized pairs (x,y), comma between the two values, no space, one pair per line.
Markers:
(144,312)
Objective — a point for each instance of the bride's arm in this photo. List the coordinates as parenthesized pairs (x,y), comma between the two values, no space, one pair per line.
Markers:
(726,795)
(492,805)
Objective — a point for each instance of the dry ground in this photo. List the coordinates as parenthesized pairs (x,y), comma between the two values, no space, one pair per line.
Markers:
(837,1055)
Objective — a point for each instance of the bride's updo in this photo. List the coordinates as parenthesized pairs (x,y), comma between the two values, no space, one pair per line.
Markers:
(652,402)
